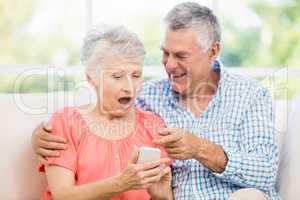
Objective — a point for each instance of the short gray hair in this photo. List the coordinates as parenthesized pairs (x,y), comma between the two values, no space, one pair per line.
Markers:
(200,18)
(112,40)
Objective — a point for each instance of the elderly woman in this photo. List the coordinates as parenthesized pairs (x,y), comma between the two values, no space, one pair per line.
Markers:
(100,161)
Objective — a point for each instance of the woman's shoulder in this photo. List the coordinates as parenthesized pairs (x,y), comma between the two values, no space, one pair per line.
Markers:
(74,110)
(66,112)
(147,115)
(149,120)
(69,116)
(66,122)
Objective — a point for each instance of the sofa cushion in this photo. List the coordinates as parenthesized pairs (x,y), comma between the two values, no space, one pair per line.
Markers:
(288,180)
(20,114)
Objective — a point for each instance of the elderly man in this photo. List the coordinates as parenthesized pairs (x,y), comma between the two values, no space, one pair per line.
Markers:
(220,126)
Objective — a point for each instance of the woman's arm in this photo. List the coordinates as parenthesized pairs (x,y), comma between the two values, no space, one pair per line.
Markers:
(62,185)
(136,176)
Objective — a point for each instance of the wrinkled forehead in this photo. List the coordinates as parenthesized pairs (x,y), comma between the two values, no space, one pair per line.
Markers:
(178,40)
(114,61)
(118,64)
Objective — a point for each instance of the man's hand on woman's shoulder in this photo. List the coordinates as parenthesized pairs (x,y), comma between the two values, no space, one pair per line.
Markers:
(46,144)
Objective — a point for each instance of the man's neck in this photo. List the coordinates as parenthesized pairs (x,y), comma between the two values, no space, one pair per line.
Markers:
(208,87)
(198,101)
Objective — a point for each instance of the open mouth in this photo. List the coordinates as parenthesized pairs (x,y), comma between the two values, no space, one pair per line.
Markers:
(125,100)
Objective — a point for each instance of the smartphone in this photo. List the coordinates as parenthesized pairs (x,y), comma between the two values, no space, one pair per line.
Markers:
(148,154)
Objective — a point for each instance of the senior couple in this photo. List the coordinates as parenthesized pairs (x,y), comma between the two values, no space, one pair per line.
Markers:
(215,129)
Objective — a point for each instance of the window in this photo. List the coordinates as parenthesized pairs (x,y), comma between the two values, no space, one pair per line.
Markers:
(43,33)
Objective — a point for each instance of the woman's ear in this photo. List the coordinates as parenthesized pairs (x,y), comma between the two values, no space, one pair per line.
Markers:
(90,80)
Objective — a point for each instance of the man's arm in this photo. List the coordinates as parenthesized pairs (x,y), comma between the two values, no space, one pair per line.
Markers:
(210,155)
(46,144)
(252,164)
(182,145)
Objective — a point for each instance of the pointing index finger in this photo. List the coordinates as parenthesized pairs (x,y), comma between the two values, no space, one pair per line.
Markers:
(164,132)
(167,139)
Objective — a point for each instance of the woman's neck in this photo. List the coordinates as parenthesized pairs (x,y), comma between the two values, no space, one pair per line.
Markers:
(109,126)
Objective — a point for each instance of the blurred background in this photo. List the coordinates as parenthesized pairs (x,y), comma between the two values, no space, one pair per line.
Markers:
(261,39)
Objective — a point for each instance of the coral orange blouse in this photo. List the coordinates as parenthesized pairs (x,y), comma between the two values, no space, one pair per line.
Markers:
(92,157)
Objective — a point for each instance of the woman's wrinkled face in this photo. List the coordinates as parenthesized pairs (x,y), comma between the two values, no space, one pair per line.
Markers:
(118,85)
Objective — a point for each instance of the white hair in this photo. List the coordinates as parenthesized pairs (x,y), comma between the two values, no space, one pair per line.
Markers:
(111,41)
(200,18)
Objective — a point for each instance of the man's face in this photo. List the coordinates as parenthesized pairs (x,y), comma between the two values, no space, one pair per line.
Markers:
(186,64)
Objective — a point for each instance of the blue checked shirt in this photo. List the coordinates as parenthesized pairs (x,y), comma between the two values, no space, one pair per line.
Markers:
(240,119)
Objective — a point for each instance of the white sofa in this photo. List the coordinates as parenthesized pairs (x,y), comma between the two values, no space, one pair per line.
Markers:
(21,113)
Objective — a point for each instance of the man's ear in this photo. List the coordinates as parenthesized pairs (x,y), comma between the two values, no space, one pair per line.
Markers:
(215,50)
